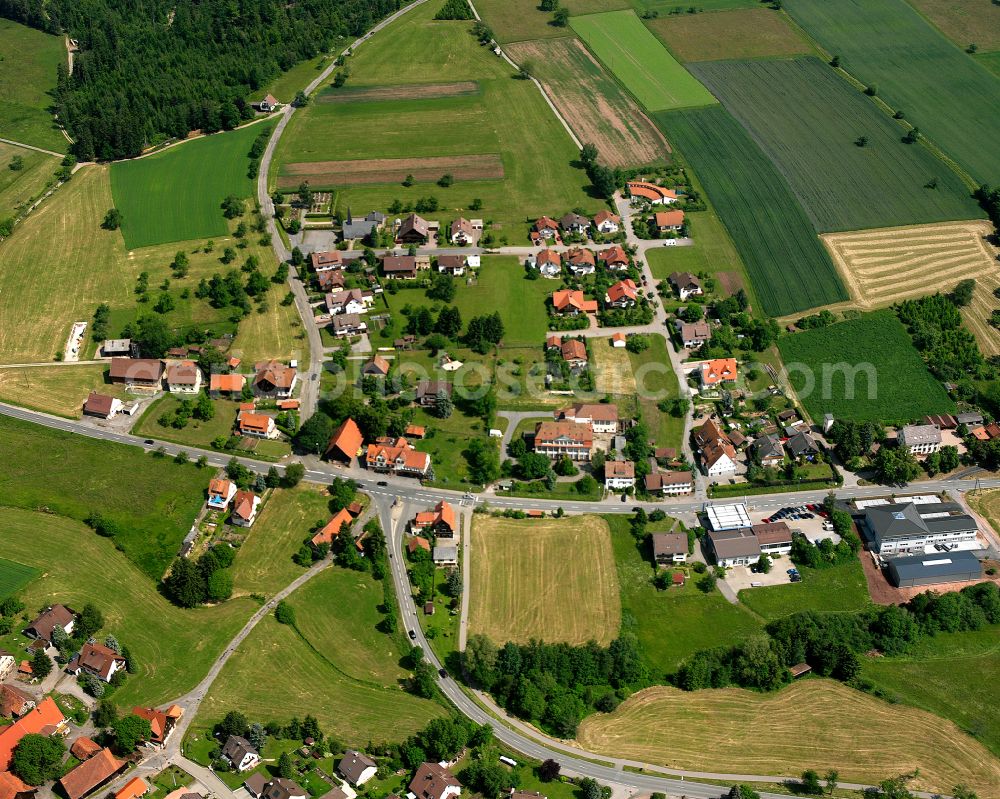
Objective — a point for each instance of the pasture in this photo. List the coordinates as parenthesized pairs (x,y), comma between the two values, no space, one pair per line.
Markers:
(964,21)
(58,389)
(837,589)
(935,677)
(175,195)
(596,107)
(74,476)
(740,731)
(173,648)
(336,655)
(640,62)
(28,61)
(550,578)
(786,263)
(952,99)
(738,34)
(882,267)
(862,369)
(519,20)
(19,187)
(15,576)
(786,107)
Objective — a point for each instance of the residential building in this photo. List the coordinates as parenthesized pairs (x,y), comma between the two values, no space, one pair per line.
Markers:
(718,459)
(133,789)
(241,754)
(97,659)
(614,258)
(669,484)
(434,781)
(400,266)
(330,281)
(256,425)
(330,261)
(574,352)
(281,788)
(547,262)
(601,416)
(580,261)
(670,548)
(92,774)
(226,384)
(244,512)
(377,366)
(50,618)
(440,521)
(619,475)
(220,493)
(920,439)
(414,230)
(445,552)
(802,445)
(396,456)
(734,547)
(267,105)
(556,439)
(183,377)
(101,406)
(353,301)
(774,538)
(14,702)
(718,371)
(546,227)
(332,528)
(686,285)
(348,324)
(767,451)
(274,379)
(357,768)
(574,223)
(117,348)
(920,570)
(453,265)
(417,542)
(45,719)
(653,194)
(362,229)
(160,724)
(607,223)
(346,441)
(907,528)
(623,294)
(668,221)
(619,340)
(571,302)
(144,373)
(694,334)
(462,232)
(429,390)
(84,748)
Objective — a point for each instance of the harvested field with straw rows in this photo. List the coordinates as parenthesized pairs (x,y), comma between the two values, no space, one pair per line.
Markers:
(392,170)
(419,91)
(881,267)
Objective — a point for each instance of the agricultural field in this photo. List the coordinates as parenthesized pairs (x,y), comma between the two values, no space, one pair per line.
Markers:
(549,578)
(936,674)
(519,20)
(663,7)
(736,730)
(294,80)
(882,267)
(335,654)
(991,61)
(175,195)
(57,389)
(953,100)
(711,251)
(786,263)
(74,476)
(841,185)
(173,648)
(640,62)
(19,187)
(986,502)
(28,61)
(15,576)
(738,34)
(964,21)
(596,107)
(870,357)
(837,589)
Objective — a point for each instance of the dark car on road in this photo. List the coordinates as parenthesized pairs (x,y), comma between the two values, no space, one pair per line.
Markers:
(413,634)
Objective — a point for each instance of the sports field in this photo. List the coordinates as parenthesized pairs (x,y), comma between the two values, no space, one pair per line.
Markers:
(936,676)
(741,33)
(173,648)
(806,119)
(58,389)
(864,368)
(19,187)
(550,578)
(640,62)
(28,60)
(837,589)
(964,21)
(952,99)
(596,107)
(175,195)
(14,576)
(785,261)
(739,731)
(339,656)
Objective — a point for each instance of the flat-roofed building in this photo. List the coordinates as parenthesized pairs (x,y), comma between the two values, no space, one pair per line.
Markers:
(919,570)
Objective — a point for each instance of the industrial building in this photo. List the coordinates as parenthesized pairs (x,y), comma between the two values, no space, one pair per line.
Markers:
(903,529)
(918,570)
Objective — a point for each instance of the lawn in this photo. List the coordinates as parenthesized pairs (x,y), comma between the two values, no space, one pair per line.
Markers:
(60,390)
(518,20)
(152,500)
(446,440)
(640,62)
(937,675)
(861,369)
(175,195)
(18,188)
(337,656)
(952,99)
(786,108)
(15,576)
(740,731)
(674,624)
(543,578)
(656,381)
(173,648)
(787,265)
(838,589)
(742,33)
(28,61)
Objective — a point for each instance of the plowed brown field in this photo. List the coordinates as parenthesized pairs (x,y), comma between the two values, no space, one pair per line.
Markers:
(391,170)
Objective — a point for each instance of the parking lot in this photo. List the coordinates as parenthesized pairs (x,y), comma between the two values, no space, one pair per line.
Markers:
(740,577)
(810,528)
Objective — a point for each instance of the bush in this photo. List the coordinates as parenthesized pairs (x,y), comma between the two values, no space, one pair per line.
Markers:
(285,613)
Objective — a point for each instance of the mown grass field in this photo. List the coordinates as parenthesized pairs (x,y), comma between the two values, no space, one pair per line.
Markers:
(656,381)
(671,625)
(841,186)
(963,21)
(61,390)
(785,261)
(870,357)
(339,657)
(991,61)
(640,62)
(294,80)
(838,589)
(175,195)
(952,99)
(15,576)
(596,107)
(153,500)
(938,674)
(172,647)
(740,33)
(19,187)
(28,60)
(550,578)
(519,20)
(740,731)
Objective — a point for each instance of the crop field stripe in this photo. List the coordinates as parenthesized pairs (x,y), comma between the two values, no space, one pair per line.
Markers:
(788,266)
(417,91)
(14,576)
(951,97)
(392,170)
(640,61)
(806,120)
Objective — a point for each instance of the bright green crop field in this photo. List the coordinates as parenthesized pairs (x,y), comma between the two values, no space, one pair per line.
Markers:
(28,60)
(813,141)
(14,576)
(175,195)
(951,97)
(862,369)
(789,268)
(640,61)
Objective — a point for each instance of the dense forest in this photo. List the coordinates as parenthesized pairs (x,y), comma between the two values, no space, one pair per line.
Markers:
(153,68)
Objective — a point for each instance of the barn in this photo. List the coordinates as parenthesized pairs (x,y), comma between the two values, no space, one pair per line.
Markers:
(944,567)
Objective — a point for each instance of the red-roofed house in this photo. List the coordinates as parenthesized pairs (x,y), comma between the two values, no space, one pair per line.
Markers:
(581,261)
(572,302)
(614,258)
(574,352)
(84,748)
(226,384)
(332,528)
(720,370)
(668,220)
(417,542)
(244,512)
(12,787)
(220,492)
(618,340)
(396,456)
(546,227)
(441,520)
(623,294)
(601,416)
(433,781)
(160,724)
(556,439)
(656,195)
(46,715)
(256,425)
(92,774)
(274,378)
(14,702)
(547,262)
(326,261)
(133,789)
(607,223)
(346,441)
